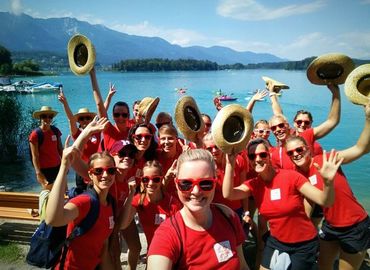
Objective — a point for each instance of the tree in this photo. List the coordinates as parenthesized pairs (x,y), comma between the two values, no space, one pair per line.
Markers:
(5,61)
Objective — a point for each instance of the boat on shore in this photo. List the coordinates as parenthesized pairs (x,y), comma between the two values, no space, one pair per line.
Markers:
(44,87)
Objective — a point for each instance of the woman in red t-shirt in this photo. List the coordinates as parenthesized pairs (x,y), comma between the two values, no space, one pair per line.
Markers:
(153,205)
(346,228)
(200,235)
(279,195)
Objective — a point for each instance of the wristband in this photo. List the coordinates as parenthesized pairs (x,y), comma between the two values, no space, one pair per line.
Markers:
(272,94)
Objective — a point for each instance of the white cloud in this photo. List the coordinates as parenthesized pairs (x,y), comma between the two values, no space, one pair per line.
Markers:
(251,10)
(16,7)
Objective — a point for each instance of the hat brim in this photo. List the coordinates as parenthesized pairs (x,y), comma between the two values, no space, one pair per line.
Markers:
(232,128)
(80,49)
(330,68)
(37,114)
(78,115)
(147,109)
(188,118)
(357,85)
(275,82)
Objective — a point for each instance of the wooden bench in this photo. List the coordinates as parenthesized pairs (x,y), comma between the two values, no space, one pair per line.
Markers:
(19,205)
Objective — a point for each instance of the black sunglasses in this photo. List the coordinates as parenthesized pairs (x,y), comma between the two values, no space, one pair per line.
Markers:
(124,115)
(44,116)
(83,118)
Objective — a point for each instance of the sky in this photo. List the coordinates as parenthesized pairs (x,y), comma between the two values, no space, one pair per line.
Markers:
(288,29)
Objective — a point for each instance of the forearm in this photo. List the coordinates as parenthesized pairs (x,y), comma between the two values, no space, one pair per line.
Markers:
(128,212)
(275,105)
(228,183)
(97,95)
(328,195)
(250,105)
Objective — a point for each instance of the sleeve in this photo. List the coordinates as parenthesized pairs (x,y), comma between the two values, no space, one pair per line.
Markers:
(33,137)
(166,242)
(308,136)
(299,180)
(83,204)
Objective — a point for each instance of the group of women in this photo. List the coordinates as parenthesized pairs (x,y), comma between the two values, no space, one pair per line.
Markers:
(179,194)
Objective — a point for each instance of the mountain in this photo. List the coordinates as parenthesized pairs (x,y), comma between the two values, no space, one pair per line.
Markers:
(28,34)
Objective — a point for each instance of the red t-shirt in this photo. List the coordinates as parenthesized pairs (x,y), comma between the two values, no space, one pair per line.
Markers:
(119,191)
(281,204)
(219,198)
(346,210)
(214,248)
(91,146)
(48,151)
(85,251)
(279,157)
(153,214)
(111,134)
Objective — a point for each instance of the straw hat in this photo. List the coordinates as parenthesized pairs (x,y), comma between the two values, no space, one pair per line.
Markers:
(275,83)
(188,118)
(147,107)
(357,85)
(44,110)
(330,68)
(232,128)
(84,112)
(81,54)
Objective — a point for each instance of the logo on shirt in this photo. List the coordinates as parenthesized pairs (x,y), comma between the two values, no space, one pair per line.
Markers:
(111,222)
(93,139)
(159,218)
(223,251)
(275,194)
(54,138)
(313,179)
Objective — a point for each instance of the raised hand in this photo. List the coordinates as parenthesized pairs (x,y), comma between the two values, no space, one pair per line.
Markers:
(97,125)
(112,90)
(171,173)
(132,184)
(260,94)
(183,145)
(61,97)
(329,166)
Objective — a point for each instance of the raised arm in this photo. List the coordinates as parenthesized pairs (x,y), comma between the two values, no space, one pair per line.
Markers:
(258,96)
(275,105)
(102,112)
(71,119)
(128,211)
(334,114)
(362,145)
(111,92)
(228,190)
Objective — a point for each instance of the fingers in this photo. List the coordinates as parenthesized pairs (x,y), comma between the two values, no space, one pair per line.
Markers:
(174,164)
(67,141)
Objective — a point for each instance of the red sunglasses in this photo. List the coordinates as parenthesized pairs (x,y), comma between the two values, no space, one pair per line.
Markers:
(139,137)
(281,126)
(155,178)
(299,150)
(205,184)
(306,122)
(100,170)
(253,156)
(261,131)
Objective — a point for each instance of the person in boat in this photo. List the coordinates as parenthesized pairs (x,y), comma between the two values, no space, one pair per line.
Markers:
(153,205)
(345,231)
(91,249)
(46,147)
(200,227)
(77,122)
(279,197)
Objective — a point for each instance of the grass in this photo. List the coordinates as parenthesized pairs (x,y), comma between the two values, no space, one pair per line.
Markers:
(10,253)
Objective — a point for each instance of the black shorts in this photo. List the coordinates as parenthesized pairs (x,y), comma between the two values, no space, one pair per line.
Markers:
(352,239)
(303,255)
(50,173)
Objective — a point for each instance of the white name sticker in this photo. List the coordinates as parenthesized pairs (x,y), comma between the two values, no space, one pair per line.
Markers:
(275,194)
(313,179)
(159,218)
(54,138)
(111,222)
(223,251)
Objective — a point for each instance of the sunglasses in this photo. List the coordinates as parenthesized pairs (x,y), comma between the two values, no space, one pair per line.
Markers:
(208,124)
(128,154)
(300,122)
(139,137)
(99,171)
(253,156)
(261,131)
(299,150)
(159,125)
(205,184)
(155,179)
(124,115)
(281,126)
(212,148)
(44,116)
(86,118)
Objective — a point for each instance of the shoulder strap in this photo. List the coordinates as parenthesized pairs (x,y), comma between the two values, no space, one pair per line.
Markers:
(222,211)
(55,130)
(175,224)
(40,136)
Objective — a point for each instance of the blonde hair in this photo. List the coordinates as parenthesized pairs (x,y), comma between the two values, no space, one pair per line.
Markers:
(197,155)
(279,116)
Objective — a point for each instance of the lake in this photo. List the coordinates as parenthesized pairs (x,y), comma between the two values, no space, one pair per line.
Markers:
(202,85)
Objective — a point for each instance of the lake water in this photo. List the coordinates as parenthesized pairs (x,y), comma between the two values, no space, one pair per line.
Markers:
(202,86)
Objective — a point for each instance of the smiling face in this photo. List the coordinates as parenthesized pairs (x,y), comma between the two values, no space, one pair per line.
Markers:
(124,159)
(196,199)
(259,158)
(167,141)
(210,146)
(302,122)
(280,128)
(120,115)
(100,173)
(262,130)
(142,138)
(152,174)
(299,153)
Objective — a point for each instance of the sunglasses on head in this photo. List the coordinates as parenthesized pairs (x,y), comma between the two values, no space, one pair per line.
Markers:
(159,125)
(205,184)
(155,179)
(139,137)
(299,150)
(212,148)
(253,156)
(261,131)
(124,115)
(300,122)
(100,170)
(84,118)
(281,126)
(44,116)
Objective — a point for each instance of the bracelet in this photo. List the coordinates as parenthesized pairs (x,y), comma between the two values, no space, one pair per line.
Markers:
(272,94)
